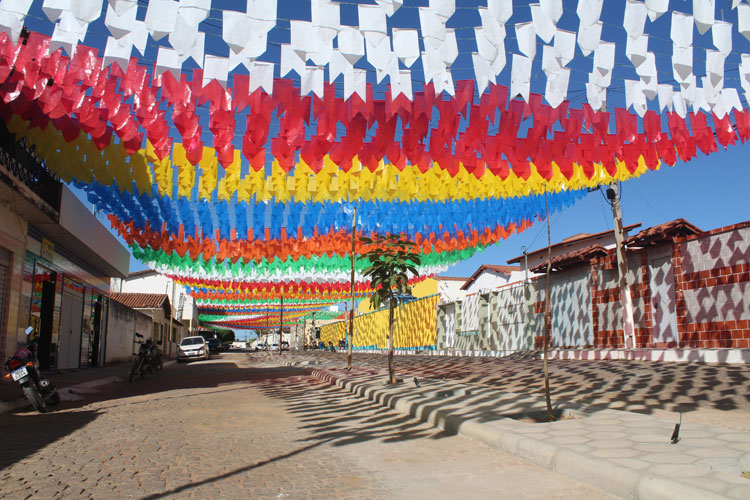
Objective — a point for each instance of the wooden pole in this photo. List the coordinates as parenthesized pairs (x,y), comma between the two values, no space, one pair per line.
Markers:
(547,313)
(626,300)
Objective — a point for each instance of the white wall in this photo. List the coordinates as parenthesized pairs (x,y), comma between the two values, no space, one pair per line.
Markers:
(122,324)
(450,290)
(158,283)
(83,225)
(492,279)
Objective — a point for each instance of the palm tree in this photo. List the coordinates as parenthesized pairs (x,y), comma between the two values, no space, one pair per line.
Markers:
(392,259)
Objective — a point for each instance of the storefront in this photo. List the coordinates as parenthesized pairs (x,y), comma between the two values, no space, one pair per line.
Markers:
(66,304)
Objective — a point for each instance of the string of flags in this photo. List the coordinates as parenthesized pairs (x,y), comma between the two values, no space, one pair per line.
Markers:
(230,148)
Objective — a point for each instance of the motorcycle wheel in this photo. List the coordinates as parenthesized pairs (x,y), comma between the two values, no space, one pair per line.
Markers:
(53,399)
(136,368)
(36,400)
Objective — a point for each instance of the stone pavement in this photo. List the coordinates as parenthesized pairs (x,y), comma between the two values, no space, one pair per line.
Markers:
(624,453)
(238,427)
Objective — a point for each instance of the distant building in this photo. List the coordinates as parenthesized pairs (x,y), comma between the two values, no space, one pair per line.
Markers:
(449,288)
(157,307)
(181,306)
(490,276)
(605,239)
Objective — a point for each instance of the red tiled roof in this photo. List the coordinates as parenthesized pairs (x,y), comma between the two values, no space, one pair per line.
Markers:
(142,300)
(572,258)
(572,239)
(662,232)
(498,269)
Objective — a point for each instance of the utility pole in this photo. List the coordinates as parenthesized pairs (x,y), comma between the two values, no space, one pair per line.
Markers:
(547,313)
(626,301)
(172,310)
(350,343)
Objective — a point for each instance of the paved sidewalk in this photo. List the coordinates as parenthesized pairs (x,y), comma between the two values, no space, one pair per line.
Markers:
(71,384)
(622,453)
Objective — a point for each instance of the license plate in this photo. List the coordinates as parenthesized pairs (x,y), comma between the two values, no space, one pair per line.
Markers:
(20,373)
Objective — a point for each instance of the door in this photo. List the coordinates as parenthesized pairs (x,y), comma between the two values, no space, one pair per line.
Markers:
(71,315)
(96,322)
(663,310)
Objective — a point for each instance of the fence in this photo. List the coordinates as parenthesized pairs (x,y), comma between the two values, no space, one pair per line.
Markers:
(414,329)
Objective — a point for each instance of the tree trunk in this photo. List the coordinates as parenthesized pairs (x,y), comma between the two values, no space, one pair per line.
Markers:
(391,372)
(547,319)
(350,344)
(281,326)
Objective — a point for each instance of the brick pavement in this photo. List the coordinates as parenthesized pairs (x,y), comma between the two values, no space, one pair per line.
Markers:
(236,427)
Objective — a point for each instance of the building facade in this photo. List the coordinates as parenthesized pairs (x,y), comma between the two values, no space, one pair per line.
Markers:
(690,289)
(56,260)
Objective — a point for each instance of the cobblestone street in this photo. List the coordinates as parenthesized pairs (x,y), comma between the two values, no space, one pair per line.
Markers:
(237,427)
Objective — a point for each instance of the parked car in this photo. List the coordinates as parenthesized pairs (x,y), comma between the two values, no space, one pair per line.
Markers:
(273,347)
(214,345)
(192,348)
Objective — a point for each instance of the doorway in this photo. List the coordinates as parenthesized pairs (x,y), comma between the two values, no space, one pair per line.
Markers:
(43,313)
(96,321)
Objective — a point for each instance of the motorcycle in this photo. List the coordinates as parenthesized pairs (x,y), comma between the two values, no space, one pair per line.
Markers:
(23,368)
(157,362)
(148,360)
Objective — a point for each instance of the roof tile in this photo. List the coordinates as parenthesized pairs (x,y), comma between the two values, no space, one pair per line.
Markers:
(141,300)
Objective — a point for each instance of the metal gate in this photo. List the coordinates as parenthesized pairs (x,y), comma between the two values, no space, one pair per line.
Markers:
(71,316)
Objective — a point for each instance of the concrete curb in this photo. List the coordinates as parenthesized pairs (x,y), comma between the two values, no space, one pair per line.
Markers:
(605,475)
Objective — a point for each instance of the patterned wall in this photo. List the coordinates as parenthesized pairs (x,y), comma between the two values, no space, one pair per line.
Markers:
(470,315)
(415,328)
(715,289)
(711,289)
(507,319)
